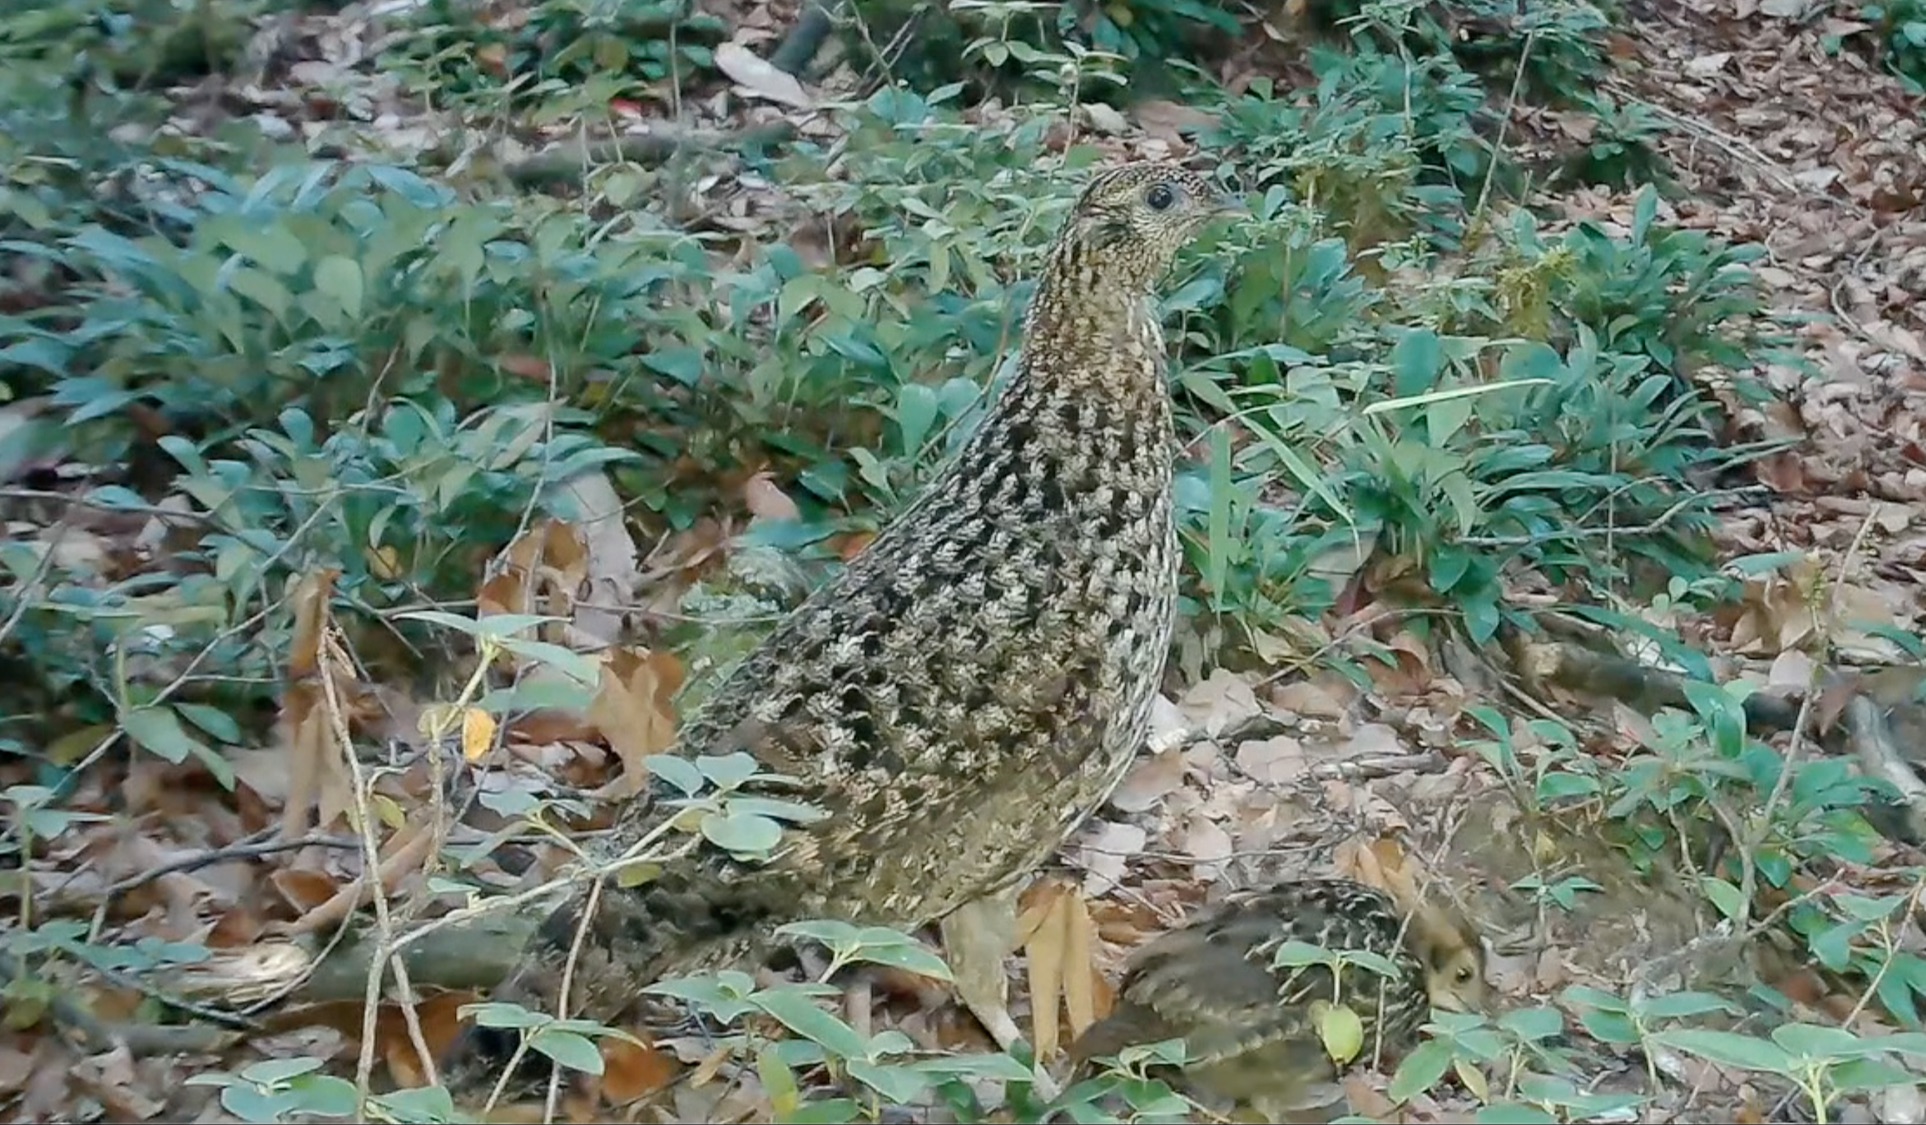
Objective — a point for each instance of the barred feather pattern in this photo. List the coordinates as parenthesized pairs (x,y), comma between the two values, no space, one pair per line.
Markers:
(974,683)
(1249,1026)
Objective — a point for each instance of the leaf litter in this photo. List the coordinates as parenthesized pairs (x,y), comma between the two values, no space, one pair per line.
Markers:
(1780,137)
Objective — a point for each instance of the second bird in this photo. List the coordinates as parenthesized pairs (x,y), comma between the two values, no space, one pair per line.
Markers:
(1250,1025)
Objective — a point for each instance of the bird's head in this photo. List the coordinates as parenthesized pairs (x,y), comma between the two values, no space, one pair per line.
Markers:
(1454,960)
(1132,220)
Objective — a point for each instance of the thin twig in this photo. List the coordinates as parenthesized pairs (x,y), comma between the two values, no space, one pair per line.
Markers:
(371,873)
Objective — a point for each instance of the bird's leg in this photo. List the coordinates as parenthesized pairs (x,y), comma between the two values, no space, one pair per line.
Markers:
(977,937)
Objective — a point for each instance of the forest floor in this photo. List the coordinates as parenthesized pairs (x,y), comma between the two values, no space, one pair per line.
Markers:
(1776,136)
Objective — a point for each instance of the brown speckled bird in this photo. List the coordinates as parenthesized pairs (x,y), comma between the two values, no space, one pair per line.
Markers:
(1249,1026)
(972,685)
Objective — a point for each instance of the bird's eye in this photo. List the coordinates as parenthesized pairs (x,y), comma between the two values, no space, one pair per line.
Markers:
(1160,197)
(1464,975)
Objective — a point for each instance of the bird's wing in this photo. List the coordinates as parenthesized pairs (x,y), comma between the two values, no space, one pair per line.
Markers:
(1209,985)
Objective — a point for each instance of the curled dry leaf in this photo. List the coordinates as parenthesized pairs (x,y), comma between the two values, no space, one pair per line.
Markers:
(317,773)
(539,573)
(635,709)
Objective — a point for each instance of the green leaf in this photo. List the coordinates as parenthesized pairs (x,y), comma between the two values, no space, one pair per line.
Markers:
(1340,1029)
(800,1014)
(909,955)
(577,1052)
(275,248)
(1513,1113)
(1533,1024)
(998,1067)
(832,932)
(741,833)
(326,1096)
(1376,962)
(419,1103)
(1420,1070)
(1295,954)
(340,278)
(1609,1027)
(1724,896)
(1729,1049)
(794,812)
(916,410)
(679,772)
(1819,1042)
(159,729)
(1678,1005)
(584,670)
(500,1013)
(830,1111)
(684,365)
(273,1072)
(897,1083)
(726,771)
(213,720)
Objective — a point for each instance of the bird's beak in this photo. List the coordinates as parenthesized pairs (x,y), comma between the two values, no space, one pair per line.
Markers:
(1229,205)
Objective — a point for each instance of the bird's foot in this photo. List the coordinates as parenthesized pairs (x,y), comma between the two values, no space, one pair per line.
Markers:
(977,938)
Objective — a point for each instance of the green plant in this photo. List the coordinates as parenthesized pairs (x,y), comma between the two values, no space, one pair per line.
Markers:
(566,56)
(1903,25)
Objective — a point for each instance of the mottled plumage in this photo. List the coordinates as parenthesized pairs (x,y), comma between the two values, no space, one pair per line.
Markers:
(1249,1029)
(978,679)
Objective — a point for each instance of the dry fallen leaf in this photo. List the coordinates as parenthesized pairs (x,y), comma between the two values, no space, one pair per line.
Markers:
(755,77)
(317,773)
(1059,944)
(766,500)
(1150,781)
(635,710)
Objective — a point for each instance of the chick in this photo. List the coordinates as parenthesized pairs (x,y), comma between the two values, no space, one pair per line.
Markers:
(1250,1026)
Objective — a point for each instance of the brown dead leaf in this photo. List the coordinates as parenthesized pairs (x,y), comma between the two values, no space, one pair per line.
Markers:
(1273,761)
(635,709)
(110,1078)
(440,1019)
(317,774)
(303,889)
(631,1071)
(404,853)
(1059,943)
(524,366)
(539,573)
(766,500)
(1149,781)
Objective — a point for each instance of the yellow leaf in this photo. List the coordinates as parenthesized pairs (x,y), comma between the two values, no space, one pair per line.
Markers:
(1473,1078)
(1340,1029)
(779,1083)
(1045,953)
(1079,956)
(384,563)
(477,733)
(387,811)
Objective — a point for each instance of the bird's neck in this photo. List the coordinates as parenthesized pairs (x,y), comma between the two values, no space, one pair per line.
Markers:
(1093,329)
